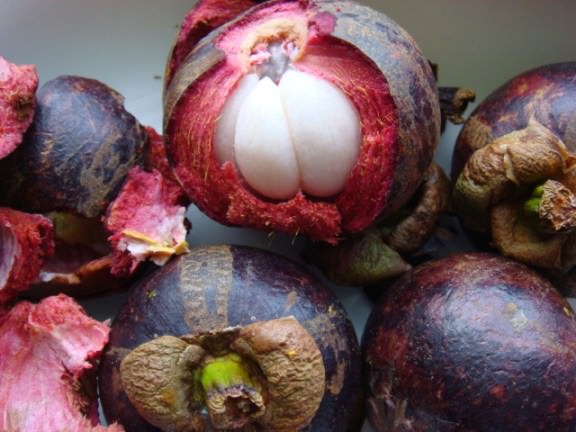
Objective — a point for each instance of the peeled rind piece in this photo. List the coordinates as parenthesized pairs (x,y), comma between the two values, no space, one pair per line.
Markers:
(48,351)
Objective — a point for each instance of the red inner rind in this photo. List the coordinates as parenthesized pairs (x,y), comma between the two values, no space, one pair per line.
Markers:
(198,22)
(367,187)
(18,85)
(34,243)
(218,189)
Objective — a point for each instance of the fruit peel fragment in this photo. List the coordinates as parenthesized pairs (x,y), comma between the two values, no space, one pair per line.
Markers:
(18,84)
(147,221)
(49,350)
(26,241)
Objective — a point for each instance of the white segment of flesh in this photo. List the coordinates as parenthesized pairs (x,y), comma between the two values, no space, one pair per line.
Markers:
(8,250)
(303,133)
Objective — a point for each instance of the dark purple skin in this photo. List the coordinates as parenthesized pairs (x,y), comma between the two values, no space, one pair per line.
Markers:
(76,154)
(214,287)
(548,93)
(471,342)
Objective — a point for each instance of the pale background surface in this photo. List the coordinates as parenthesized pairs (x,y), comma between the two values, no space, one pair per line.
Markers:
(124,43)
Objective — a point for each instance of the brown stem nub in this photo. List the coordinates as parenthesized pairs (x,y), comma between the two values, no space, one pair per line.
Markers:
(557,209)
(453,102)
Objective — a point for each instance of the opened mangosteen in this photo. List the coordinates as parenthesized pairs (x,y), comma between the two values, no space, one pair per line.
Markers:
(232,338)
(474,342)
(77,157)
(514,168)
(308,117)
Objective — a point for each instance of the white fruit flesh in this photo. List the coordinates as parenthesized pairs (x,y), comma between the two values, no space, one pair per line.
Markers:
(8,248)
(302,133)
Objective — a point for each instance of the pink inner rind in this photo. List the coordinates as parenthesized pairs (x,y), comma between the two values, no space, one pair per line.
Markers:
(198,22)
(28,239)
(8,251)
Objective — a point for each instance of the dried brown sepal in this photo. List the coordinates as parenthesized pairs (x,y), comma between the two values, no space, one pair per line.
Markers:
(375,255)
(454,102)
(433,199)
(163,378)
(294,369)
(495,171)
(156,376)
(359,260)
(516,237)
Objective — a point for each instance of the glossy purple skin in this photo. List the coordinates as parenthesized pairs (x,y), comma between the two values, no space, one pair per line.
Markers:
(77,152)
(471,342)
(219,286)
(546,93)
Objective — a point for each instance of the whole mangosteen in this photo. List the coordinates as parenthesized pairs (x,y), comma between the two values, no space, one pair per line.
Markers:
(232,338)
(81,152)
(471,342)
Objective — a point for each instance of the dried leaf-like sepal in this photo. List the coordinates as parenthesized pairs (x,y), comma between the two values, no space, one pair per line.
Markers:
(262,373)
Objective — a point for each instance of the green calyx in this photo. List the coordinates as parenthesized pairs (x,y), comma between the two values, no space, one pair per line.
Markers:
(224,372)
(231,394)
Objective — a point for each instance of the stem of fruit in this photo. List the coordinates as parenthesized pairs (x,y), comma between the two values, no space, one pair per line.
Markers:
(233,395)
(553,205)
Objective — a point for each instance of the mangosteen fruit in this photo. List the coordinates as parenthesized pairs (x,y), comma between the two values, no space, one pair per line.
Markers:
(80,146)
(75,160)
(514,168)
(471,342)
(232,338)
(307,117)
